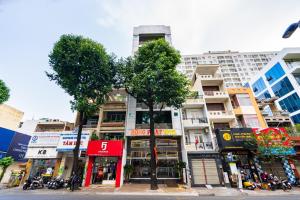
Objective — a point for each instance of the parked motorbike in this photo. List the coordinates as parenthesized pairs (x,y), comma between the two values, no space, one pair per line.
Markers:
(27,184)
(74,182)
(37,182)
(249,185)
(285,185)
(56,183)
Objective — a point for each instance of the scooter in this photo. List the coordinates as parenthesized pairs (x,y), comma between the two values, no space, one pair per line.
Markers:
(37,182)
(27,184)
(249,185)
(285,185)
(56,183)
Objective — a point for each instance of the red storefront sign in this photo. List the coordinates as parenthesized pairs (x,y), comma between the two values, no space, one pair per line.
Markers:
(105,148)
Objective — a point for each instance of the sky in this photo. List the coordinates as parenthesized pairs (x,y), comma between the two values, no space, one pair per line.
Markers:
(28,30)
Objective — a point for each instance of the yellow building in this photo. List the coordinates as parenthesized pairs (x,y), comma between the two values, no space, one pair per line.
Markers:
(246,108)
(10,117)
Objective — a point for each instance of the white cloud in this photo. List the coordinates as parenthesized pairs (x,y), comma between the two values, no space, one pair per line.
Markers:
(199,26)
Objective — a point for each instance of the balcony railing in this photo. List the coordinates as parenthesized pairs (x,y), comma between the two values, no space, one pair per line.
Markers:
(196,120)
(220,113)
(144,106)
(215,93)
(89,126)
(210,76)
(192,146)
(157,126)
(113,123)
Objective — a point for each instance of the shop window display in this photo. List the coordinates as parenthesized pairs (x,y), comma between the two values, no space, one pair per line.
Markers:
(104,169)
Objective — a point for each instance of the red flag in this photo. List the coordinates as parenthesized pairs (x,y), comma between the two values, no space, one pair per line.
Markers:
(196,141)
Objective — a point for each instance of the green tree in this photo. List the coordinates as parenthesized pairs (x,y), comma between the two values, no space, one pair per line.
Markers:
(151,77)
(5,163)
(4,92)
(85,71)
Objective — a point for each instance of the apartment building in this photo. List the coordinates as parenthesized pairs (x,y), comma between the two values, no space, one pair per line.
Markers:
(279,80)
(237,68)
(10,117)
(246,109)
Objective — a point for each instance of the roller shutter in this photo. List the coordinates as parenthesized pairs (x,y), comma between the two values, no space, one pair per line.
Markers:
(205,172)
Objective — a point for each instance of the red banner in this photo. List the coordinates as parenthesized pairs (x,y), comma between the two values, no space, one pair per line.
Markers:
(105,148)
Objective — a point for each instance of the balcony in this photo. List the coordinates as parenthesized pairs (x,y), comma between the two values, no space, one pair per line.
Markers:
(215,96)
(145,107)
(294,66)
(91,124)
(211,79)
(156,126)
(112,126)
(194,102)
(195,122)
(221,116)
(202,146)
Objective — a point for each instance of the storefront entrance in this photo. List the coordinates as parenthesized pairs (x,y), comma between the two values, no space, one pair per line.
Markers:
(104,170)
(273,167)
(104,163)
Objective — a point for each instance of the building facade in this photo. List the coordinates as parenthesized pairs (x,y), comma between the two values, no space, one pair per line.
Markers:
(237,68)
(10,117)
(280,79)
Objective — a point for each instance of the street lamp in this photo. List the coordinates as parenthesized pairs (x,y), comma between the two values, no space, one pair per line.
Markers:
(291,29)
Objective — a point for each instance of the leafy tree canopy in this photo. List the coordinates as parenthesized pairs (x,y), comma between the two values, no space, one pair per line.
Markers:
(83,69)
(4,92)
(151,75)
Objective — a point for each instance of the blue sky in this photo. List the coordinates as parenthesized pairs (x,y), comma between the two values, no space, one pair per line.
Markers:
(29,28)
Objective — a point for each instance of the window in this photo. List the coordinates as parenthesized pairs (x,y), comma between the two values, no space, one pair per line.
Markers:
(251,121)
(265,95)
(215,106)
(163,117)
(297,77)
(291,103)
(243,99)
(114,117)
(296,119)
(282,87)
(274,73)
(258,86)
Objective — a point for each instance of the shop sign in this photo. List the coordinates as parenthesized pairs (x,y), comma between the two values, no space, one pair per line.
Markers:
(41,153)
(157,132)
(236,138)
(44,139)
(18,146)
(105,148)
(67,141)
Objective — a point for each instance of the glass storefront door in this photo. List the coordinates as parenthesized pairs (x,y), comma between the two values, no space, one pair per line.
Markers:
(104,170)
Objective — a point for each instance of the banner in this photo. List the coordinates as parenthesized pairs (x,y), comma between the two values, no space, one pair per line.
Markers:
(67,141)
(105,148)
(6,137)
(157,132)
(18,146)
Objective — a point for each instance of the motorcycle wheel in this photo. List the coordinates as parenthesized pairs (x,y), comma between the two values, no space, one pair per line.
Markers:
(24,187)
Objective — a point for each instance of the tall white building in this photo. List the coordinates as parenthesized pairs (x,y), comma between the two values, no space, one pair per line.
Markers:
(237,68)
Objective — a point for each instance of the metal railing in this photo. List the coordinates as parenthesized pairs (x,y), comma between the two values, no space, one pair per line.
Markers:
(220,113)
(156,125)
(196,120)
(214,93)
(199,146)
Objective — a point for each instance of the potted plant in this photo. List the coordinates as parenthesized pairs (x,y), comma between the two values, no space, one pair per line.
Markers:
(128,170)
(94,136)
(179,169)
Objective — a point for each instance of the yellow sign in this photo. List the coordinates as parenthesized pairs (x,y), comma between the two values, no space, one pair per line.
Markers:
(157,132)
(226,136)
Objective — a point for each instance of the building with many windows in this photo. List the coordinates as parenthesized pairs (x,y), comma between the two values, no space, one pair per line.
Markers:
(236,68)
(280,79)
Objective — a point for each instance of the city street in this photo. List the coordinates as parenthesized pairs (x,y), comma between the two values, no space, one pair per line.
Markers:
(76,196)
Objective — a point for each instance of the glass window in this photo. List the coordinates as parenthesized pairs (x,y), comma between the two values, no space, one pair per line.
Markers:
(296,119)
(291,103)
(282,87)
(258,86)
(274,73)
(265,95)
(251,121)
(243,99)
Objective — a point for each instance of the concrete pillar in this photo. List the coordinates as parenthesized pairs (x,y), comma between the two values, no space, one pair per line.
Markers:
(62,165)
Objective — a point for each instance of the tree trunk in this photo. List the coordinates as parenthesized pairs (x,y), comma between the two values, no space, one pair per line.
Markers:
(153,177)
(76,149)
(2,173)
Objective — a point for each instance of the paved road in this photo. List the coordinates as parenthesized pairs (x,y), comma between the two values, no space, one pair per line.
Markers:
(78,196)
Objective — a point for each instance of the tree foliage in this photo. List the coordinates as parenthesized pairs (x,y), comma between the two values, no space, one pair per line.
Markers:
(4,92)
(151,75)
(85,71)
(5,163)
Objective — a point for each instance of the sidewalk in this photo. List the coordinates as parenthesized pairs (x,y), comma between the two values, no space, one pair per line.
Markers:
(164,190)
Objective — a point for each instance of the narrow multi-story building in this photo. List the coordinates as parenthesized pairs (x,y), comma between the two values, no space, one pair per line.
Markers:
(237,68)
(10,117)
(168,127)
(279,79)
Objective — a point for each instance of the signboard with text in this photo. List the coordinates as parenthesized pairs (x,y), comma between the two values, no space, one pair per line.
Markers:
(105,148)
(41,153)
(236,138)
(44,139)
(67,141)
(18,146)
(158,132)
